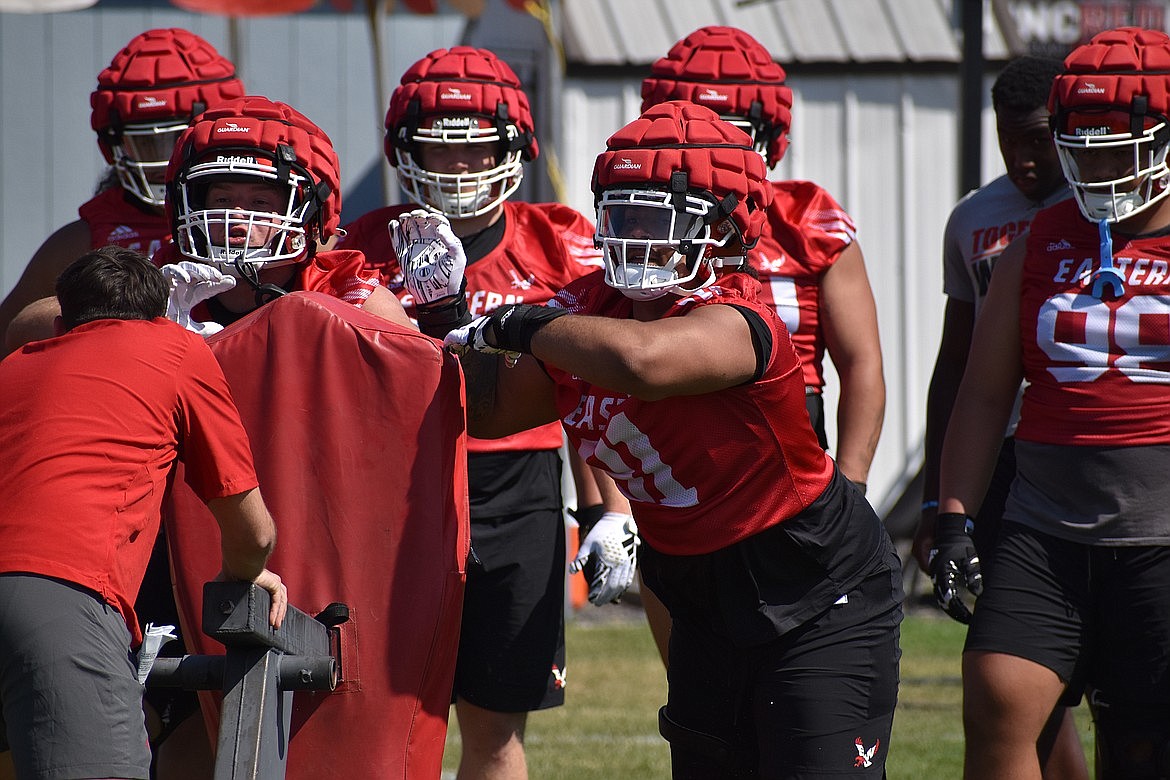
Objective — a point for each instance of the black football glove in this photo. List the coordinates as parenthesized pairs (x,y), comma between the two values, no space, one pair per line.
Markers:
(954,561)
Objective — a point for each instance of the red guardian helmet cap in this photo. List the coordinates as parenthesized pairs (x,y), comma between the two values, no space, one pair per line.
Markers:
(460,96)
(731,73)
(147,97)
(239,229)
(679,192)
(1109,110)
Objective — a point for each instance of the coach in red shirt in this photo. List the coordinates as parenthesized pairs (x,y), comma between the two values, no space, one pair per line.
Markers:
(91,424)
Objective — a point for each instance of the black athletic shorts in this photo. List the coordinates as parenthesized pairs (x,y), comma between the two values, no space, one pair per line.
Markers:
(1096,616)
(815,404)
(512,639)
(818,702)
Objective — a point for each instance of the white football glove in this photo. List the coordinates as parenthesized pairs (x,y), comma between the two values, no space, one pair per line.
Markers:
(471,336)
(430,254)
(192,283)
(614,541)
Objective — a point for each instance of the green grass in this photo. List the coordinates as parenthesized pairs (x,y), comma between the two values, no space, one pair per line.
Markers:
(608,726)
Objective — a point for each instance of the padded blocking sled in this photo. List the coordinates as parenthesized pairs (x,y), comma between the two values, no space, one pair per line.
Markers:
(357,428)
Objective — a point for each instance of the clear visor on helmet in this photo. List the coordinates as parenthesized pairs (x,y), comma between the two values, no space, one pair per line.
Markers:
(141,158)
(1114,174)
(236,216)
(649,248)
(458,193)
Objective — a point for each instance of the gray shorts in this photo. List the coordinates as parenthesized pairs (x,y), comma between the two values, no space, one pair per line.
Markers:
(71,704)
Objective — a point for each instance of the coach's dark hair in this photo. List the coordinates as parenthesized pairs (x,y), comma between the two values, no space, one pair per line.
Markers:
(1024,83)
(111,283)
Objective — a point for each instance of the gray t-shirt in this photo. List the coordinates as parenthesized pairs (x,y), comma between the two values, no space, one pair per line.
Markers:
(979,228)
(1106,496)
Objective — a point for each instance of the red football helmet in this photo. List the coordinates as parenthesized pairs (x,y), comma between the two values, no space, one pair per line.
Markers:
(731,73)
(460,96)
(253,184)
(679,192)
(147,97)
(1109,112)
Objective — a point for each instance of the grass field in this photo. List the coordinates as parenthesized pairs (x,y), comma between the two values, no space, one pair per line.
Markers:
(608,727)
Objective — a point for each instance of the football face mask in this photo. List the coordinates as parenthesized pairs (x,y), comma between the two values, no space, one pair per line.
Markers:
(651,249)
(141,157)
(1114,173)
(241,221)
(466,194)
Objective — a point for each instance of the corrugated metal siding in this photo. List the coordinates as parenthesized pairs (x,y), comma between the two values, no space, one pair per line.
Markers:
(49,160)
(632,32)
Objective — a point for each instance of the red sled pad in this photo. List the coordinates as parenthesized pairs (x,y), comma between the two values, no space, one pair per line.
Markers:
(357,427)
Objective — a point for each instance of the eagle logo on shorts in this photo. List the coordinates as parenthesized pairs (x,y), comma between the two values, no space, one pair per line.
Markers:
(865,757)
(559,677)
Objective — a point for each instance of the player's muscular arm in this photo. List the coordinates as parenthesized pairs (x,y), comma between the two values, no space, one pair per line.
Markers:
(40,275)
(849,320)
(988,391)
(642,358)
(958,322)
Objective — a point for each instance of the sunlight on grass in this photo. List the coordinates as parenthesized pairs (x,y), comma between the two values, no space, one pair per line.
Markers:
(608,727)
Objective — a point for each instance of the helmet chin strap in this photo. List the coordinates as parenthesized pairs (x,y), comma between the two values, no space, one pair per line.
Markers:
(264,293)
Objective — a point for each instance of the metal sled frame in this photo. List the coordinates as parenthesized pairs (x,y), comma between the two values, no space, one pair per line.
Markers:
(258,674)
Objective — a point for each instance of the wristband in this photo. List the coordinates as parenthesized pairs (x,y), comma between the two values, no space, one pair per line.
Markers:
(437,320)
(516,324)
(954,521)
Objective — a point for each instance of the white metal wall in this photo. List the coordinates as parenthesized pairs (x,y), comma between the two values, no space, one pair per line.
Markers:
(320,63)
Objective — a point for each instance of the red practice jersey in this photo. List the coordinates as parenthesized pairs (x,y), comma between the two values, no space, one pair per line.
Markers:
(114,219)
(807,230)
(702,471)
(88,462)
(1098,369)
(545,247)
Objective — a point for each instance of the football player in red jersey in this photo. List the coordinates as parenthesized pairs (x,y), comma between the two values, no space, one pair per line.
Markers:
(808,259)
(671,373)
(458,130)
(254,192)
(1076,597)
(979,228)
(143,101)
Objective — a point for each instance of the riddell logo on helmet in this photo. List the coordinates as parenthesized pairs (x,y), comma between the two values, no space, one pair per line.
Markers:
(711,95)
(1089,88)
(454,93)
(627,164)
(232,127)
(1081,132)
(232,159)
(456,123)
(150,101)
